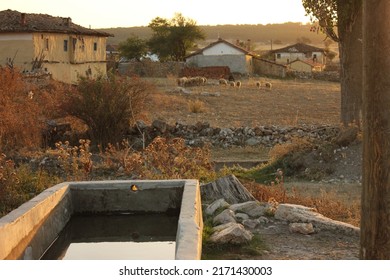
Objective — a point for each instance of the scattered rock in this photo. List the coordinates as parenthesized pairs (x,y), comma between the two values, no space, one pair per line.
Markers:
(232,233)
(250,223)
(226,216)
(303,228)
(240,217)
(220,203)
(302,214)
(252,208)
(346,136)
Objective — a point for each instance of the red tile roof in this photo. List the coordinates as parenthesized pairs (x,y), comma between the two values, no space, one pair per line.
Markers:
(220,40)
(14,21)
(298,48)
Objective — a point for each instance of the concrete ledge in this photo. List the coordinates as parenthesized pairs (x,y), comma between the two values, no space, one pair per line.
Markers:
(28,231)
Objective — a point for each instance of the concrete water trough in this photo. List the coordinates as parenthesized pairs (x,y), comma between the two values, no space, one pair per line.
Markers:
(28,231)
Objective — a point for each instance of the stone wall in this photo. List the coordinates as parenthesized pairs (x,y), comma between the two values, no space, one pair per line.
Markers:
(202,133)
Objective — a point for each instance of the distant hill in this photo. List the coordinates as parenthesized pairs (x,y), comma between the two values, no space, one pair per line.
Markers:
(280,34)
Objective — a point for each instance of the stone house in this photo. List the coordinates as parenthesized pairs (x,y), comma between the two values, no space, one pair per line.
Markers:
(31,42)
(223,53)
(299,51)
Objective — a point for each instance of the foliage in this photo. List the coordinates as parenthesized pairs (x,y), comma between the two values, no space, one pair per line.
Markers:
(328,203)
(109,106)
(24,108)
(282,32)
(75,161)
(170,159)
(325,12)
(19,184)
(172,38)
(133,48)
(214,251)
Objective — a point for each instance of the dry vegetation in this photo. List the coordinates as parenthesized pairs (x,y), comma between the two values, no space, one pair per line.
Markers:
(289,102)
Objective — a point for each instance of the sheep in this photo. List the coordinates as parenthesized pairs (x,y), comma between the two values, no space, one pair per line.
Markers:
(182,81)
(238,84)
(258,84)
(223,82)
(30,95)
(232,83)
(268,85)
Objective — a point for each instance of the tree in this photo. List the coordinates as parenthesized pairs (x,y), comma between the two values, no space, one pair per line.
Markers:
(341,20)
(375,220)
(171,39)
(133,48)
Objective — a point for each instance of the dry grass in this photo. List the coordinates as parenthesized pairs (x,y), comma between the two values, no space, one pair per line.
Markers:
(196,106)
(326,200)
(289,102)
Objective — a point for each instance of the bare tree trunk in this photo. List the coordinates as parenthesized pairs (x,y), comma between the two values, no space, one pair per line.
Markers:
(351,61)
(375,222)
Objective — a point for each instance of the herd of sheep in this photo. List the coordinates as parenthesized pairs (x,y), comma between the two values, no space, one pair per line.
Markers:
(199,81)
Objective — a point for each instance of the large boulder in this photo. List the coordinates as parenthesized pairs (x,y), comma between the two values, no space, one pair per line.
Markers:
(232,233)
(302,214)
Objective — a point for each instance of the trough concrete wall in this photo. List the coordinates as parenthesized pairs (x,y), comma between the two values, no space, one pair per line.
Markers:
(28,231)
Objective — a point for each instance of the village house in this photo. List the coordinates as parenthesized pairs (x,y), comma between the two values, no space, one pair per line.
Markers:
(301,56)
(31,42)
(223,53)
(307,66)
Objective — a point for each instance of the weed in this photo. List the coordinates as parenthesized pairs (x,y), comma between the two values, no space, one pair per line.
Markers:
(213,251)
(170,159)
(196,106)
(19,184)
(75,161)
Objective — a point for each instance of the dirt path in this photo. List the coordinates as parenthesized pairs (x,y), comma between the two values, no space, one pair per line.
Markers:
(324,245)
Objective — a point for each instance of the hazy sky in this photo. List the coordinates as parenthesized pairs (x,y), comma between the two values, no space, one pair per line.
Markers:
(126,13)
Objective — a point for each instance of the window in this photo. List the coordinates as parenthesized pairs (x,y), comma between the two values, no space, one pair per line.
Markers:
(95,46)
(47,44)
(278,55)
(65,45)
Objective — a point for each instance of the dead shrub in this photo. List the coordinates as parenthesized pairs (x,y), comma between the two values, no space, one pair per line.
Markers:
(75,161)
(170,159)
(196,106)
(24,108)
(109,106)
(281,150)
(328,204)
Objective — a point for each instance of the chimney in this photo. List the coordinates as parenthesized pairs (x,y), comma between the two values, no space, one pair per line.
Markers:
(23,20)
(248,45)
(67,21)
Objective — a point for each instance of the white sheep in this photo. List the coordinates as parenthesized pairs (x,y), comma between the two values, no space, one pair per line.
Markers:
(223,82)
(232,83)
(182,81)
(258,84)
(238,84)
(268,85)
